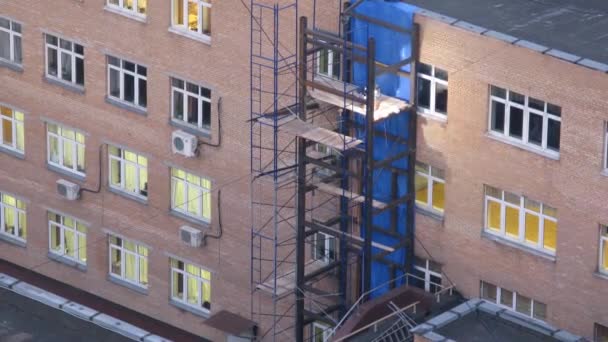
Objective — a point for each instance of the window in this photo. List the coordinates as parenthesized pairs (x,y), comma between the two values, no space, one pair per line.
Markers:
(604,249)
(127,82)
(10,41)
(513,301)
(430,188)
(429,275)
(324,247)
(192,16)
(137,7)
(65,148)
(67,237)
(328,155)
(432,90)
(128,172)
(191,104)
(64,60)
(13,222)
(190,285)
(191,195)
(328,63)
(524,119)
(521,219)
(11,134)
(320,332)
(600,333)
(128,261)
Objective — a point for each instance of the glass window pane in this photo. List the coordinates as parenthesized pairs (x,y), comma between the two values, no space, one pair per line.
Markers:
(516,122)
(82,247)
(206,114)
(130,267)
(193,16)
(425,69)
(178,12)
(142,70)
(177,285)
(553,135)
(553,109)
(206,20)
(498,116)
(80,71)
(550,235)
(18,54)
(143,269)
(604,248)
(65,44)
(131,182)
(5,23)
(535,129)
(115,173)
(540,310)
(70,243)
(193,291)
(488,291)
(51,68)
(438,195)
(532,227)
(81,158)
(512,198)
(194,201)
(53,149)
(114,83)
(192,110)
(523,305)
(52,40)
(441,98)
(7,132)
(178,190)
(324,62)
(422,184)
(68,153)
(114,61)
(66,67)
(512,222)
(116,259)
(20,143)
(506,298)
(493,220)
(129,91)
(536,104)
(491,191)
(55,239)
(516,97)
(128,65)
(143,182)
(498,92)
(178,105)
(424,93)
(441,74)
(5,45)
(143,92)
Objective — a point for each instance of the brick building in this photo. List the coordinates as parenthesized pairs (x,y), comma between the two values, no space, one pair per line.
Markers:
(511,182)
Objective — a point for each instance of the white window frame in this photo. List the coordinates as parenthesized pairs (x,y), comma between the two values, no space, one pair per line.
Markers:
(123,253)
(184,28)
(62,229)
(121,78)
(521,239)
(327,247)
(18,211)
(14,124)
(73,55)
(432,110)
(123,162)
(60,139)
(122,8)
(603,242)
(200,99)
(330,65)
(12,34)
(526,122)
(513,308)
(324,327)
(186,276)
(427,275)
(430,181)
(182,208)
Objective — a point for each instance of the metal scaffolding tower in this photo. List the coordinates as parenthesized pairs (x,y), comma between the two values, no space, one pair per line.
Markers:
(314,170)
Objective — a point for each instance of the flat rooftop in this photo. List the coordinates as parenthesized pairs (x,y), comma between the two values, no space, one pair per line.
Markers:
(23,319)
(578,27)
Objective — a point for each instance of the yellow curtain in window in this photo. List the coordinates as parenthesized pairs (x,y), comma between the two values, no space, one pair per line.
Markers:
(116,261)
(81,159)
(115,172)
(82,248)
(143,271)
(512,221)
(193,290)
(438,196)
(493,215)
(207,205)
(206,286)
(9,220)
(178,195)
(130,267)
(54,149)
(7,132)
(142,5)
(193,16)
(206,20)
(194,201)
(143,181)
(55,243)
(128,4)
(178,12)
(68,153)
(605,254)
(69,243)
(532,227)
(22,225)
(422,195)
(130,177)
(20,142)
(550,235)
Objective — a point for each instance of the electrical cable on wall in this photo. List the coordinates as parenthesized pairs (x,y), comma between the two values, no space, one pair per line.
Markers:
(219,127)
(99,178)
(219,220)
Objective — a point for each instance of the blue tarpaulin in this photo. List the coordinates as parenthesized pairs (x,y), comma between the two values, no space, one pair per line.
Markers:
(391,47)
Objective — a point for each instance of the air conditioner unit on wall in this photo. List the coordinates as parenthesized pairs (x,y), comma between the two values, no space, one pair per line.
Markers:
(184,143)
(191,236)
(68,190)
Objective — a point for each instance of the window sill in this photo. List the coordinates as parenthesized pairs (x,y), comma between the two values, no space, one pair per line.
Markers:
(65,85)
(131,286)
(434,116)
(12,240)
(544,153)
(128,14)
(12,152)
(11,65)
(67,261)
(189,218)
(203,38)
(127,195)
(126,106)
(605,173)
(65,172)
(513,244)
(601,275)
(199,312)
(203,133)
(432,214)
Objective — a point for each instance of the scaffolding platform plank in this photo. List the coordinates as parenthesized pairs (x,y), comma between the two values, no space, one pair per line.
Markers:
(386,105)
(297,127)
(335,190)
(287,282)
